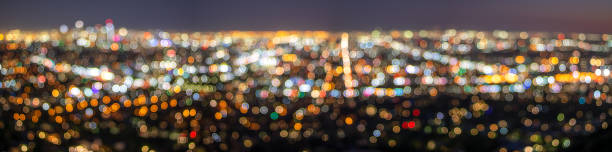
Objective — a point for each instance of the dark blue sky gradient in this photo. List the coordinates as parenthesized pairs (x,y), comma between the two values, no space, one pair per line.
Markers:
(191,15)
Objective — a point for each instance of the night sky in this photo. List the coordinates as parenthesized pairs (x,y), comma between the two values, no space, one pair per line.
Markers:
(342,15)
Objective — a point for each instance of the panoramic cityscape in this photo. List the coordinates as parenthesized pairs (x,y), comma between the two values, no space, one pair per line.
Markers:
(102,86)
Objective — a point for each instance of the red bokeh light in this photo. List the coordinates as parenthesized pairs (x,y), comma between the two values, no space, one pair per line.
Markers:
(416,112)
(192,134)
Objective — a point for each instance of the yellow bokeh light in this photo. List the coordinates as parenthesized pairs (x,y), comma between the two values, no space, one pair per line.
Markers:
(297,126)
(55,93)
(348,120)
(519,59)
(554,60)
(574,60)
(218,116)
(59,119)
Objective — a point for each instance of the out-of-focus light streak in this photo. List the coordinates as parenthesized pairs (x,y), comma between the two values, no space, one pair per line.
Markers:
(346,61)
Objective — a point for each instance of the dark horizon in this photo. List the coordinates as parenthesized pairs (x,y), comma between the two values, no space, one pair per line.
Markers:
(592,16)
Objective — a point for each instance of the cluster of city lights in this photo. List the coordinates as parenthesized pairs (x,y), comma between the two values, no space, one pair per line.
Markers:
(78,87)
